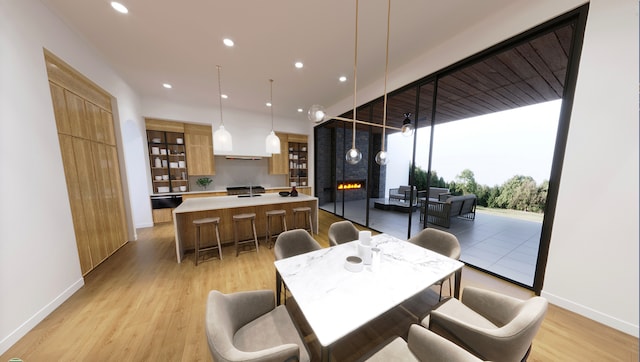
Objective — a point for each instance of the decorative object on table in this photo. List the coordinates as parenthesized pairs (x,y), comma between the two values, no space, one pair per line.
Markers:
(222,141)
(284,193)
(204,182)
(294,192)
(364,246)
(353,264)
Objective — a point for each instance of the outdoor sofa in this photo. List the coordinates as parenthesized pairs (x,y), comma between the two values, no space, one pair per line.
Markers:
(441,212)
(402,193)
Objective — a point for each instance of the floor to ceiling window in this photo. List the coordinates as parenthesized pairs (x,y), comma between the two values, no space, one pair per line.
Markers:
(485,127)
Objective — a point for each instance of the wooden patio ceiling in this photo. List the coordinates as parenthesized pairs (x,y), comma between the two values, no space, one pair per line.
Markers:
(530,73)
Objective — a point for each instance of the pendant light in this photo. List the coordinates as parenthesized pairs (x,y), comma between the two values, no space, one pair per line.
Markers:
(407,126)
(222,141)
(354,155)
(272,141)
(382,156)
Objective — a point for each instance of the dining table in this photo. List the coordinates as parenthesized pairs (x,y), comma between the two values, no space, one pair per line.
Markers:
(336,300)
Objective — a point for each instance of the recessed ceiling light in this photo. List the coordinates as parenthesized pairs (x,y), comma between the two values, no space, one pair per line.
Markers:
(300,110)
(342,79)
(299,65)
(228,42)
(224,96)
(119,7)
(167,85)
(268,104)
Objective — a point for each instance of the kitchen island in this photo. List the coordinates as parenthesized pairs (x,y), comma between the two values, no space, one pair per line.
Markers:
(227,206)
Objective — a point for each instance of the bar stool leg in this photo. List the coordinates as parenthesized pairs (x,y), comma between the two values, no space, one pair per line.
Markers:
(197,243)
(255,235)
(310,223)
(218,239)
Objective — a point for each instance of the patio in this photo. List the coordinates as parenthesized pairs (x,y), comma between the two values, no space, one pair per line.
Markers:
(501,245)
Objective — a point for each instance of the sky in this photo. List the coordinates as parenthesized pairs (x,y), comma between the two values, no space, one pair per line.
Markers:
(495,147)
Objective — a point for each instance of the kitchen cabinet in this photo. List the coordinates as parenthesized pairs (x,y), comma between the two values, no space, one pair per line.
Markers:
(279,164)
(198,140)
(167,161)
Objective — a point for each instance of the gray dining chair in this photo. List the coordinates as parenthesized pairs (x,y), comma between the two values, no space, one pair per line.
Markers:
(342,232)
(247,326)
(441,242)
(491,325)
(422,345)
(291,243)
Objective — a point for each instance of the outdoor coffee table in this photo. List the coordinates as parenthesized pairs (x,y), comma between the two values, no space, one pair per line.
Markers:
(336,301)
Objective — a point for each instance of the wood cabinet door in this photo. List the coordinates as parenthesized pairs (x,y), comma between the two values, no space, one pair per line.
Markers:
(198,140)
(80,127)
(77,207)
(279,164)
(60,109)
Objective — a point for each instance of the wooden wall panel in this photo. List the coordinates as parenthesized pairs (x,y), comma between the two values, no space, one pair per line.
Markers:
(198,140)
(60,109)
(77,116)
(107,124)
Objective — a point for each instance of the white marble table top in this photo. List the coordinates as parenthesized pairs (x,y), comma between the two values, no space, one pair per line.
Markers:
(226,202)
(336,301)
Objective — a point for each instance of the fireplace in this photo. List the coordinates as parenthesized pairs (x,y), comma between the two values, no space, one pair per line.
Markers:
(352,185)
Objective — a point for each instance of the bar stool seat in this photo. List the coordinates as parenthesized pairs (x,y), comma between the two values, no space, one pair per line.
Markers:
(282,214)
(198,248)
(239,218)
(306,213)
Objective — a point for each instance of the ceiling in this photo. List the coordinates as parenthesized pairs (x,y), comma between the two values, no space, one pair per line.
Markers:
(180,42)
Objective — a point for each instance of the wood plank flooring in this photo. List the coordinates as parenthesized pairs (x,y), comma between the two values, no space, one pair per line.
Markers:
(140,305)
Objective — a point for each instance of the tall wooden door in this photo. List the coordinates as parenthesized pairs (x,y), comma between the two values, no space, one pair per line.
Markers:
(90,158)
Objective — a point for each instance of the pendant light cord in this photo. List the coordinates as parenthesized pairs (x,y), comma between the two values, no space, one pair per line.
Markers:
(220,95)
(355,79)
(271,101)
(386,71)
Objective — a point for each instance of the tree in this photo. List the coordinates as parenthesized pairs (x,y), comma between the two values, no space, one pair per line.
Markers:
(467,182)
(518,193)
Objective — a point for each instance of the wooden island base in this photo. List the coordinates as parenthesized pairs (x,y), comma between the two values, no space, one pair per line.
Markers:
(227,206)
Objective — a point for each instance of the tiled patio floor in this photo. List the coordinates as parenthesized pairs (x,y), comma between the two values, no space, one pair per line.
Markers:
(501,245)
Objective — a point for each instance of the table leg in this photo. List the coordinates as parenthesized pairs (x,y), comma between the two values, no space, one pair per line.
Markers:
(325,353)
(278,287)
(456,289)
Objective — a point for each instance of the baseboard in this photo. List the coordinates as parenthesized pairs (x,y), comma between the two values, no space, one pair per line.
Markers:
(593,314)
(23,329)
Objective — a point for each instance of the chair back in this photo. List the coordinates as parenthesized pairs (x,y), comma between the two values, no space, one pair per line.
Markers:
(294,242)
(342,232)
(439,241)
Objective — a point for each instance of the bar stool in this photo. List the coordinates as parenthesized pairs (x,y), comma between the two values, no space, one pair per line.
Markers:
(283,222)
(238,218)
(306,214)
(205,221)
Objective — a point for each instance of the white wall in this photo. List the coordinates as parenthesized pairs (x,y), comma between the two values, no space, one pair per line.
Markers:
(593,261)
(39,266)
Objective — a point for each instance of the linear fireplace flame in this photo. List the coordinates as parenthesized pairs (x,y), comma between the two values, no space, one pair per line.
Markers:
(351,185)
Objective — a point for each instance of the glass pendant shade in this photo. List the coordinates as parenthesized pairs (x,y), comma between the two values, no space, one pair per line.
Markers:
(353,156)
(316,113)
(407,127)
(273,143)
(382,158)
(222,140)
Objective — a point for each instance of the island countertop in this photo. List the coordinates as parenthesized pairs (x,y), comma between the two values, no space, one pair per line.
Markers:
(227,206)
(224,202)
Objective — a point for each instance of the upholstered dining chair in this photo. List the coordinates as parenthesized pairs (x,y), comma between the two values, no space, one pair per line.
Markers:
(422,345)
(441,242)
(342,232)
(490,325)
(247,326)
(291,243)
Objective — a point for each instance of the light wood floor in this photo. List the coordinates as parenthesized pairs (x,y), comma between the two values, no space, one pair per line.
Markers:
(140,305)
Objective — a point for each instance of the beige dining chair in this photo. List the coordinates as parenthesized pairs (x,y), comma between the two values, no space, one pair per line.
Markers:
(490,325)
(342,232)
(291,243)
(247,326)
(422,345)
(441,242)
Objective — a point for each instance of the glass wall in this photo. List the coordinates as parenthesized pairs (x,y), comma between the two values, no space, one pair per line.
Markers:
(491,137)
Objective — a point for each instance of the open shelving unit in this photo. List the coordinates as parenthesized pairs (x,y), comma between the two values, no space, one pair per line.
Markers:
(168,161)
(298,163)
